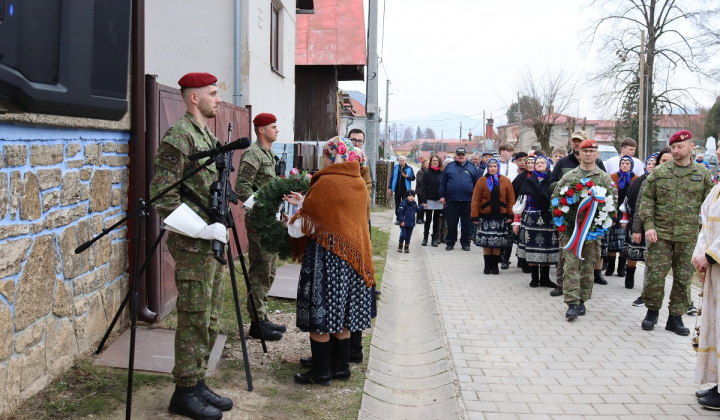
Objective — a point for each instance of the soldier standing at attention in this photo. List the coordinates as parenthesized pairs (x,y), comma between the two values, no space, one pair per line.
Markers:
(671,200)
(257,167)
(578,277)
(198,277)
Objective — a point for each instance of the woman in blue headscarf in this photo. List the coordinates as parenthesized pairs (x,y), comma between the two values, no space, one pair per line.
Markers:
(622,179)
(538,233)
(491,210)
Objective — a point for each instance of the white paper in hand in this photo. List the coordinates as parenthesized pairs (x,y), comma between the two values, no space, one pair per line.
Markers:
(185,222)
(249,203)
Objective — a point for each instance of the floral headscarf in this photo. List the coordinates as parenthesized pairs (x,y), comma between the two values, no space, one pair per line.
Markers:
(625,176)
(492,180)
(341,147)
(542,175)
(652,156)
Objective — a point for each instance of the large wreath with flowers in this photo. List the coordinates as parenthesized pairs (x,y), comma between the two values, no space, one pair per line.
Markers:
(590,199)
(262,216)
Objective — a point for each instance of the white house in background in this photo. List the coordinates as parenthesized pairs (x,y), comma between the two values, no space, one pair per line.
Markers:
(182,36)
(352,111)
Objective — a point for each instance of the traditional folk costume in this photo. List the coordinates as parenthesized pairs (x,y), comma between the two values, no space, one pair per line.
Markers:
(631,250)
(616,237)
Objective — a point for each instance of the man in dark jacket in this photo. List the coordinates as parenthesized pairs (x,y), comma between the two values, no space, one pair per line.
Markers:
(565,165)
(456,190)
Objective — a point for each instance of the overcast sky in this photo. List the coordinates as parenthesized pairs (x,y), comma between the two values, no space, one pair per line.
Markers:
(465,56)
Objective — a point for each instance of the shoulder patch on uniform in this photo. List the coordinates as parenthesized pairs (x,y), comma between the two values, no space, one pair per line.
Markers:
(696,177)
(169,157)
(249,170)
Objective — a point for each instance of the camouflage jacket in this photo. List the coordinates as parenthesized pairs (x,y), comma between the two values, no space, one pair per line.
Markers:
(573,177)
(257,167)
(171,163)
(671,200)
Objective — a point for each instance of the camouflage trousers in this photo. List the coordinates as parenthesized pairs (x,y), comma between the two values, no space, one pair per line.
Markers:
(199,281)
(659,258)
(578,276)
(261,275)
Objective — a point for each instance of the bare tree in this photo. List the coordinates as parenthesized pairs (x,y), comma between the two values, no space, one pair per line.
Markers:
(680,37)
(548,96)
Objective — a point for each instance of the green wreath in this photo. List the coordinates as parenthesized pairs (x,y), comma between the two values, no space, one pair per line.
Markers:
(273,235)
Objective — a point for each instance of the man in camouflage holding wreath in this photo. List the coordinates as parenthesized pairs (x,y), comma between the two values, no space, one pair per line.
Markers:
(579,277)
(198,276)
(257,167)
(672,195)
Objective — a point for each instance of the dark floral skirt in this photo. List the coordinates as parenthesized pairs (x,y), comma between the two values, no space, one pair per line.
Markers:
(331,294)
(616,240)
(492,233)
(538,238)
(633,251)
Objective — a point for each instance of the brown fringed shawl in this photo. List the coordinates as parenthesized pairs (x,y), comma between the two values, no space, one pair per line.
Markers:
(334,214)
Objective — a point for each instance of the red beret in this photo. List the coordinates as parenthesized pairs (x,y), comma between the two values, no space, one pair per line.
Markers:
(261,120)
(589,144)
(195,80)
(681,135)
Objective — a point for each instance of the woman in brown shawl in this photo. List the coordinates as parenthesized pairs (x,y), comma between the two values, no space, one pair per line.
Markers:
(334,295)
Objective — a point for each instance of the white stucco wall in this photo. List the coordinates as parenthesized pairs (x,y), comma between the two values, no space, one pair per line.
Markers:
(181,36)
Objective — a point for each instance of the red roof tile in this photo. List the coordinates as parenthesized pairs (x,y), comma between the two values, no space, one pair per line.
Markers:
(334,35)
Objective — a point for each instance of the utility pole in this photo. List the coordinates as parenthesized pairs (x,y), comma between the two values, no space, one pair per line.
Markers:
(460,131)
(641,105)
(371,103)
(484,123)
(518,144)
(387,105)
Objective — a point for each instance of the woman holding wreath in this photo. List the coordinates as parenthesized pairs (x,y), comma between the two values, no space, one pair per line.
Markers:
(334,295)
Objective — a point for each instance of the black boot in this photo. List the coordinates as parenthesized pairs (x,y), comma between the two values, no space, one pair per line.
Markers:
(599,279)
(651,318)
(256,328)
(610,265)
(488,264)
(340,366)
(556,291)
(435,241)
(525,266)
(210,397)
(356,347)
(400,247)
(425,238)
(675,324)
(186,401)
(707,392)
(711,401)
(505,258)
(407,248)
(621,267)
(275,327)
(495,262)
(630,277)
(572,312)
(545,277)
(534,276)
(319,373)
(581,309)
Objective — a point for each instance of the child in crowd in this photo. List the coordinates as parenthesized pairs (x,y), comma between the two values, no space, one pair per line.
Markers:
(406,214)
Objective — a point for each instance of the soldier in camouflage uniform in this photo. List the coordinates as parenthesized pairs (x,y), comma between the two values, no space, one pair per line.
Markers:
(198,276)
(579,273)
(257,167)
(672,195)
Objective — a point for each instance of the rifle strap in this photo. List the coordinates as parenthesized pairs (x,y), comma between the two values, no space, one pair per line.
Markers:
(186,194)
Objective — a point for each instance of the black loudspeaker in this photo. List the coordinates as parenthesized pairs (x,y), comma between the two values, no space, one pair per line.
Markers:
(65,57)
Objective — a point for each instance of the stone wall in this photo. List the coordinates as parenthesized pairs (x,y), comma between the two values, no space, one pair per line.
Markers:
(58,189)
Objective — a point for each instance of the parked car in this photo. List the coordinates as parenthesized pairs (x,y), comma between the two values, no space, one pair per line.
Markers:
(712,161)
(606,152)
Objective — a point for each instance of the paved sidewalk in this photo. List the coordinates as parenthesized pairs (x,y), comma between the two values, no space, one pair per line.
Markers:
(513,355)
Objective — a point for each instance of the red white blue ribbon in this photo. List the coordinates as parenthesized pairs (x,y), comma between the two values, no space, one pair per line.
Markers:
(588,205)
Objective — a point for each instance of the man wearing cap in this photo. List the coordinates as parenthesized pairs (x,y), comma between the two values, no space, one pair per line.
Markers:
(256,168)
(578,277)
(671,200)
(563,166)
(456,189)
(486,156)
(198,276)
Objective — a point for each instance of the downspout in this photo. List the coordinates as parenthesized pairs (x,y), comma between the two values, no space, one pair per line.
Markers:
(237,53)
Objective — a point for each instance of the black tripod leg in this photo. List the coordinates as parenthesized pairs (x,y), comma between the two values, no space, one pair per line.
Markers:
(134,303)
(231,267)
(243,266)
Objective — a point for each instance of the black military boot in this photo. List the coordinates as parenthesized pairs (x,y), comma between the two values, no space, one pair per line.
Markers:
(621,267)
(495,261)
(545,277)
(275,327)
(651,318)
(581,309)
(425,238)
(488,264)
(610,265)
(630,277)
(599,279)
(186,401)
(262,327)
(572,312)
(534,276)
(210,397)
(505,258)
(319,373)
(675,324)
(340,364)
(356,347)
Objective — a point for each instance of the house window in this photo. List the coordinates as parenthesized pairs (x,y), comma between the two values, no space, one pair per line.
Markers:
(275,39)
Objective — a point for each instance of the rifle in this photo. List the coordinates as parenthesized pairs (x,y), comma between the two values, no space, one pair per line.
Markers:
(281,165)
(221,194)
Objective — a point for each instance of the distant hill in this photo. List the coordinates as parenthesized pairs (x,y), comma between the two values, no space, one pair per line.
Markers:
(445,124)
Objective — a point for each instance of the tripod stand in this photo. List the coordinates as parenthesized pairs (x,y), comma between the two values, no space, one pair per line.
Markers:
(141,213)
